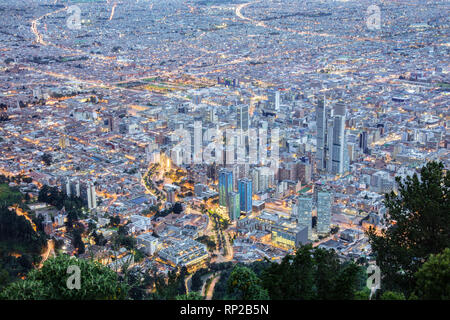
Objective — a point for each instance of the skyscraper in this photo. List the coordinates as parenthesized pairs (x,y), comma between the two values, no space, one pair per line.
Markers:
(88,195)
(225,186)
(274,99)
(245,195)
(363,142)
(338,146)
(321,122)
(234,211)
(324,199)
(277,100)
(332,153)
(255,180)
(72,189)
(242,121)
(304,212)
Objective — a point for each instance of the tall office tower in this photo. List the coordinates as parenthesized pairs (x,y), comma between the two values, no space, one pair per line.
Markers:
(197,99)
(89,195)
(242,117)
(277,100)
(245,195)
(242,125)
(197,141)
(304,212)
(338,145)
(262,178)
(324,200)
(274,99)
(340,157)
(234,211)
(346,153)
(193,150)
(321,121)
(211,115)
(236,175)
(332,154)
(255,181)
(363,142)
(225,186)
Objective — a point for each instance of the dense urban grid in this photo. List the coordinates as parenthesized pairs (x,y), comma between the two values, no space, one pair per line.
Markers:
(185,147)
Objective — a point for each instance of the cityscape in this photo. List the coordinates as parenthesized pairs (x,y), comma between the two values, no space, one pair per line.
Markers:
(224,150)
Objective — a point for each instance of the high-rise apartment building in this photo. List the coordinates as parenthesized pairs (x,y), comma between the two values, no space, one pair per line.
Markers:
(304,212)
(324,201)
(88,195)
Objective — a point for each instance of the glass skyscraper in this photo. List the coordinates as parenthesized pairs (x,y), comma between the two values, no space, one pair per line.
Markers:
(321,121)
(332,153)
(234,206)
(225,186)
(338,145)
(245,194)
(243,117)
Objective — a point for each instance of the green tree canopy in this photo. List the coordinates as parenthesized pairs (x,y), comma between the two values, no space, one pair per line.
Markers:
(190,296)
(50,282)
(418,224)
(391,295)
(244,282)
(433,278)
(312,273)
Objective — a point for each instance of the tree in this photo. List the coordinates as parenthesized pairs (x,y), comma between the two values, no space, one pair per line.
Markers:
(168,289)
(177,208)
(123,230)
(47,159)
(77,242)
(114,221)
(327,269)
(190,296)
(363,294)
(391,295)
(312,274)
(433,278)
(91,226)
(244,282)
(128,242)
(346,284)
(293,278)
(334,230)
(418,224)
(4,278)
(99,239)
(196,281)
(50,282)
